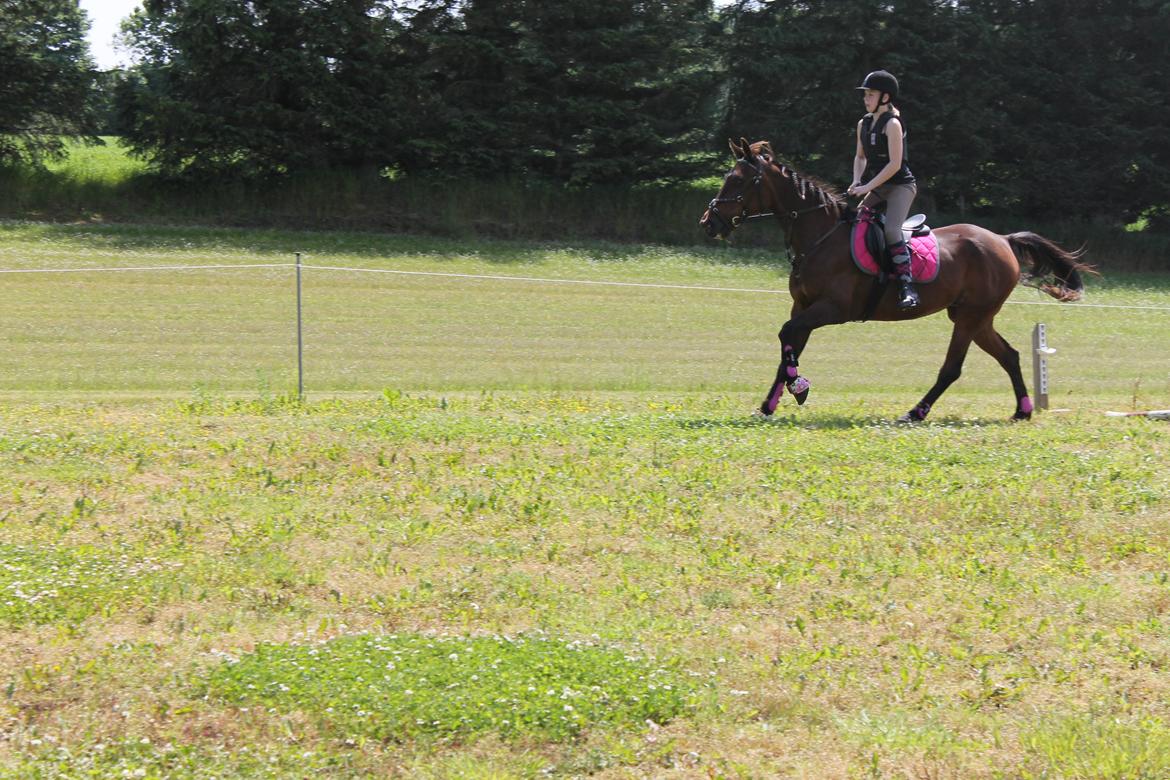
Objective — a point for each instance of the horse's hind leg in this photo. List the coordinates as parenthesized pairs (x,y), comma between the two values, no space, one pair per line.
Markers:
(952,368)
(996,345)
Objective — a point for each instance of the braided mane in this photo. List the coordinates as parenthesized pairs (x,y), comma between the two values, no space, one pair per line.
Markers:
(805,186)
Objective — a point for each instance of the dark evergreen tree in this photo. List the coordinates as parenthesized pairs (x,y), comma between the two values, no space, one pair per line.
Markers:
(471,87)
(46,77)
(253,87)
(614,88)
(1084,99)
(609,91)
(1139,98)
(791,69)
(1050,107)
(794,67)
(598,92)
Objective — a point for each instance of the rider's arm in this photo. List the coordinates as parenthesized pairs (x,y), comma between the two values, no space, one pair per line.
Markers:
(859,160)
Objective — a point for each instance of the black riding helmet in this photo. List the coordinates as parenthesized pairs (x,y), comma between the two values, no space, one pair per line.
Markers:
(882,81)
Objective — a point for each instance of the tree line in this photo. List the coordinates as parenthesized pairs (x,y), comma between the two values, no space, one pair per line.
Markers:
(1050,108)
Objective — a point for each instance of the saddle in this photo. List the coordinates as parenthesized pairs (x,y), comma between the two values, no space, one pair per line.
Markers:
(875,237)
(868,244)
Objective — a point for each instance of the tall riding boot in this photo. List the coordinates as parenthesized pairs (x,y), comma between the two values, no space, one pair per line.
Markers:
(900,258)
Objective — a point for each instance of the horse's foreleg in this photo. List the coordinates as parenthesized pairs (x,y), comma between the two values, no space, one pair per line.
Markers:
(952,368)
(793,338)
(786,376)
(997,346)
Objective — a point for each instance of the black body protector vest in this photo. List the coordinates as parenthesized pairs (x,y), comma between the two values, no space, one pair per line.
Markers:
(876,146)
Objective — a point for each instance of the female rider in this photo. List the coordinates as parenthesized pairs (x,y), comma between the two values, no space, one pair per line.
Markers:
(880,172)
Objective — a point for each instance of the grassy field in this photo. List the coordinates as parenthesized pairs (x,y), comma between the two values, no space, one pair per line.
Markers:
(528,529)
(234,330)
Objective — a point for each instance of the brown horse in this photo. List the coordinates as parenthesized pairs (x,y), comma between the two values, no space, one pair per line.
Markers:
(977,271)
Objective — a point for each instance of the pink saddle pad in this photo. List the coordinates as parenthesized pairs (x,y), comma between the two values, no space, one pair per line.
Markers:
(923,253)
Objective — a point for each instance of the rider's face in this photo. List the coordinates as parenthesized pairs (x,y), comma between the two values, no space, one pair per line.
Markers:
(872,98)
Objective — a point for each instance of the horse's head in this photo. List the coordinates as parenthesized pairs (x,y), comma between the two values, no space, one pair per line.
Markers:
(742,194)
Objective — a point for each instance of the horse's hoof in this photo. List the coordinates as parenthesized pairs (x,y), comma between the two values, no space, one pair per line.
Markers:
(1021,415)
(799,388)
(915,415)
(764,411)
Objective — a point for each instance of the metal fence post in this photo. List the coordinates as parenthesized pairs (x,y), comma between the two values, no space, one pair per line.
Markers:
(1040,353)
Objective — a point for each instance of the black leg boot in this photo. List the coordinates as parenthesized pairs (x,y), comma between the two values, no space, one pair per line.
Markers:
(900,258)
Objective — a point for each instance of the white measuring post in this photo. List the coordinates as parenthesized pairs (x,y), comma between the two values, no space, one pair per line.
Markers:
(300,339)
(1040,353)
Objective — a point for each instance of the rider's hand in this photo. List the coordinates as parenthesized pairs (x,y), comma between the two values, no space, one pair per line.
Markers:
(856,188)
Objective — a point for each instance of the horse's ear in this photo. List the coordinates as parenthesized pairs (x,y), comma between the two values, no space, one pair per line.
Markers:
(747,147)
(735,150)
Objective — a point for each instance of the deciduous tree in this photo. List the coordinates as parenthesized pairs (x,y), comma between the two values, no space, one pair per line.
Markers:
(45,78)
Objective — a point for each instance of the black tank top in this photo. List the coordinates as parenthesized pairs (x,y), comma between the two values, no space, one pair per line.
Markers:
(876,146)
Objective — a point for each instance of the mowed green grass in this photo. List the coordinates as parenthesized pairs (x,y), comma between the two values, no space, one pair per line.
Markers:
(234,330)
(521,529)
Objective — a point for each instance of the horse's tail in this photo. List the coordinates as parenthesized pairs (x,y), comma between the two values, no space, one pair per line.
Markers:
(1048,257)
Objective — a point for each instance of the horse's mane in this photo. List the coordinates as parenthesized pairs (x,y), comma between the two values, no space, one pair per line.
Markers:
(803,184)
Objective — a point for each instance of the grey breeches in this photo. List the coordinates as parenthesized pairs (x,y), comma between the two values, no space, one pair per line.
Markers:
(898,198)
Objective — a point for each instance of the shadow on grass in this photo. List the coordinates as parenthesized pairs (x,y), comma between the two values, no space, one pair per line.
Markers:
(791,421)
(289,236)
(270,242)
(505,221)
(831,422)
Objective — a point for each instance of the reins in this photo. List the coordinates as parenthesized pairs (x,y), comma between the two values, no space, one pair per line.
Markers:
(795,261)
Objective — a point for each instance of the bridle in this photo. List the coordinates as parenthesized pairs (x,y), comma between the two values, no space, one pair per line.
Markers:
(793,216)
(713,206)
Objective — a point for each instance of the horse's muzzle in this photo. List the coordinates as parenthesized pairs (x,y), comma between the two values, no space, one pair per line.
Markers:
(715,224)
